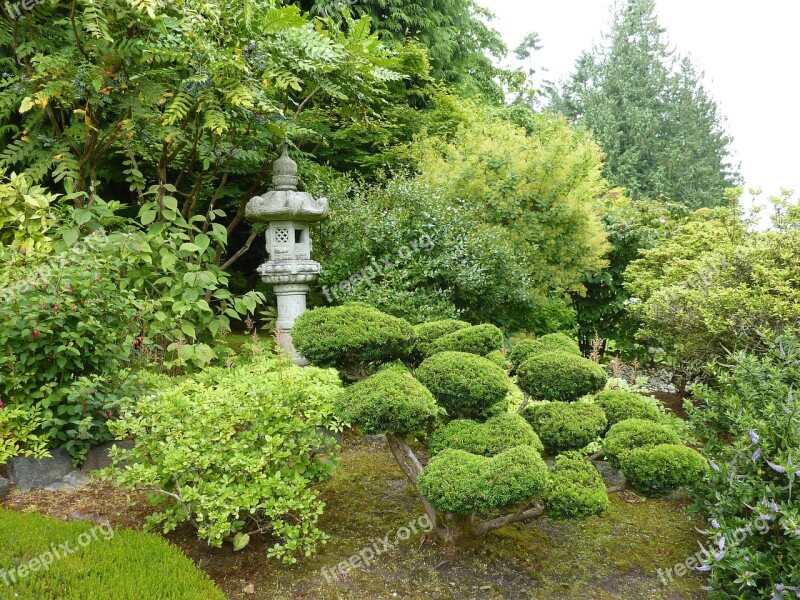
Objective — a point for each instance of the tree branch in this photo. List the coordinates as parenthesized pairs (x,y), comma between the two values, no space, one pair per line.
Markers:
(485,527)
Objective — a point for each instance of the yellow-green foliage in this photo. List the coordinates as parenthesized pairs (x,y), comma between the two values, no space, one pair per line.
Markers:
(497,434)
(427,333)
(635,433)
(620,405)
(561,376)
(25,215)
(566,426)
(659,469)
(575,490)
(479,339)
(122,564)
(553,342)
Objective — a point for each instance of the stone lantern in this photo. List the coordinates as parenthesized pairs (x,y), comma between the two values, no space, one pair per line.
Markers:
(288,214)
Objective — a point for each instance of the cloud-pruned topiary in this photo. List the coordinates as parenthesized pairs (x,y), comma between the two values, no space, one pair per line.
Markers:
(351,337)
(566,426)
(575,490)
(635,433)
(427,333)
(620,405)
(498,358)
(552,342)
(501,432)
(462,483)
(466,385)
(390,401)
(478,339)
(660,469)
(560,376)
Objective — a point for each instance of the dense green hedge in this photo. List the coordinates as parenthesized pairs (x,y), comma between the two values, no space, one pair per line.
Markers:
(560,376)
(131,565)
(635,433)
(660,469)
(462,483)
(478,339)
(497,434)
(566,426)
(575,490)
(391,401)
(621,405)
(553,342)
(427,333)
(466,385)
(498,358)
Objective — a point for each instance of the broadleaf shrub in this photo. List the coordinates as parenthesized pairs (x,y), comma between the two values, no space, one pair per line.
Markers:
(478,339)
(575,490)
(635,433)
(620,405)
(560,376)
(18,435)
(566,426)
(496,435)
(662,468)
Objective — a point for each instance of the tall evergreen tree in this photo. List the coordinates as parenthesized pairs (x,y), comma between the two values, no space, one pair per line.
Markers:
(662,134)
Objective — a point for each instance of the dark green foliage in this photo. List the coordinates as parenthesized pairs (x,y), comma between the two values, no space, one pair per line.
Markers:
(500,359)
(566,426)
(427,333)
(466,385)
(575,490)
(478,339)
(501,432)
(560,376)
(635,433)
(553,342)
(131,565)
(351,337)
(391,401)
(660,469)
(620,405)
(462,483)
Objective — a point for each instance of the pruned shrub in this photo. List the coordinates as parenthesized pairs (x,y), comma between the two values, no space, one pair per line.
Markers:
(498,358)
(351,337)
(663,468)
(621,405)
(560,376)
(635,433)
(553,342)
(427,333)
(466,385)
(575,490)
(501,432)
(478,339)
(391,401)
(462,483)
(562,426)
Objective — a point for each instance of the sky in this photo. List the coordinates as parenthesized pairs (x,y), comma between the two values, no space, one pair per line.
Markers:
(749,52)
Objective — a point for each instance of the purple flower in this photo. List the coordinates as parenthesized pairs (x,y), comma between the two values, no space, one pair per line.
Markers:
(719,556)
(715,466)
(780,587)
(773,506)
(715,523)
(756,455)
(721,543)
(776,468)
(704,568)
(754,437)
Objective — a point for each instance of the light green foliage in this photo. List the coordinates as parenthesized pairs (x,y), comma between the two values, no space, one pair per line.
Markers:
(236,452)
(462,483)
(478,339)
(553,342)
(575,490)
(466,385)
(19,437)
(635,433)
(351,337)
(560,376)
(26,213)
(496,435)
(621,405)
(130,565)
(565,426)
(662,134)
(425,334)
(662,468)
(500,359)
(391,401)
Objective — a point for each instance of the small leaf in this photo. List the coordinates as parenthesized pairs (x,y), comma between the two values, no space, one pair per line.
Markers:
(240,541)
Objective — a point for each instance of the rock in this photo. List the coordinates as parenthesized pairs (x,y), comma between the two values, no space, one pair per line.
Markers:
(5,487)
(611,476)
(34,473)
(98,457)
(77,479)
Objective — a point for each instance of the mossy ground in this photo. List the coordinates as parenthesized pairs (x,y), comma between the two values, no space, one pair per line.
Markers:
(616,555)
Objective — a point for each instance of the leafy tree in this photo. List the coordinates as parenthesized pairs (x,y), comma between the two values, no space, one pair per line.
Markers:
(662,134)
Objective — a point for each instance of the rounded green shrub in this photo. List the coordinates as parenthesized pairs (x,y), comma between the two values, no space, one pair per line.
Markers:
(660,469)
(553,342)
(560,376)
(635,433)
(351,337)
(562,426)
(391,401)
(620,405)
(466,385)
(499,433)
(427,333)
(575,490)
(498,358)
(462,483)
(478,339)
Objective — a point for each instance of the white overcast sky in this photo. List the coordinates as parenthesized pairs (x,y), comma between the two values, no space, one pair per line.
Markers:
(749,51)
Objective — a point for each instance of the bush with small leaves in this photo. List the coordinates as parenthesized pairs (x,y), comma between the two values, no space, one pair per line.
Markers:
(566,426)
(553,342)
(466,385)
(560,376)
(635,433)
(496,435)
(660,469)
(498,358)
(620,405)
(427,333)
(478,339)
(391,401)
(461,483)
(351,338)
(575,490)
